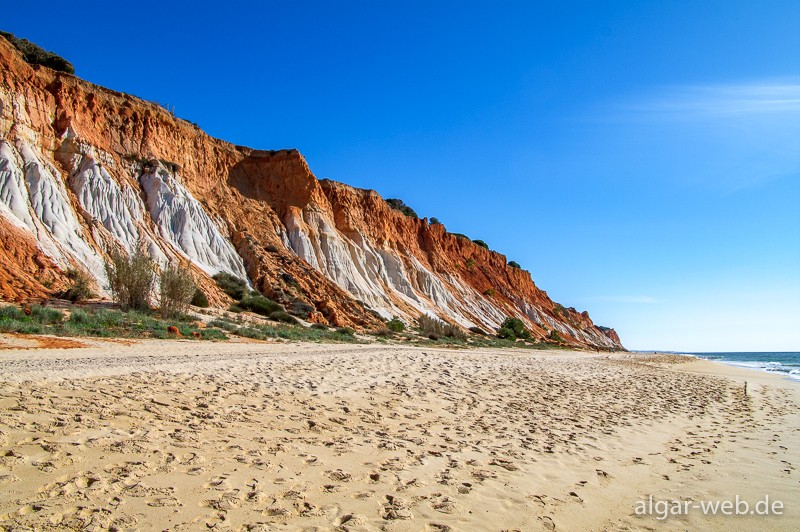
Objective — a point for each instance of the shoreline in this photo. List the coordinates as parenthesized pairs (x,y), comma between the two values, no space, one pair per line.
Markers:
(740,372)
(256,436)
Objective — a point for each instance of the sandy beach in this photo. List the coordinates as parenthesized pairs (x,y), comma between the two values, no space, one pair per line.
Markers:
(185,435)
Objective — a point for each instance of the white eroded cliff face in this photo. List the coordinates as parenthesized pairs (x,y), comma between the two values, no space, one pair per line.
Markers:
(381,278)
(34,192)
(183,222)
(34,197)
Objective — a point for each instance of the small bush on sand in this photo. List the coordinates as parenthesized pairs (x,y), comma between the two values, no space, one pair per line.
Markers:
(131,278)
(283,317)
(286,332)
(177,289)
(395,325)
(513,328)
(199,299)
(434,327)
(14,319)
(80,287)
(46,316)
(260,305)
(231,285)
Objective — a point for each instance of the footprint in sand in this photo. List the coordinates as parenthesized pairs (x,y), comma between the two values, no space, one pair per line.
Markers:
(218,482)
(575,496)
(350,520)
(537,499)
(339,475)
(547,523)
(164,502)
(446,506)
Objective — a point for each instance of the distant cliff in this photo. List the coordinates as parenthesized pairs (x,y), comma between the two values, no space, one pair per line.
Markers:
(84,169)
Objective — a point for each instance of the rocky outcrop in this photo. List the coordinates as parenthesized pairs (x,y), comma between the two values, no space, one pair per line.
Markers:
(84,170)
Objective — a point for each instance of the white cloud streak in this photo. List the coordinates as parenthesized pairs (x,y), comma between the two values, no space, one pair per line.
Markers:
(624,299)
(721,100)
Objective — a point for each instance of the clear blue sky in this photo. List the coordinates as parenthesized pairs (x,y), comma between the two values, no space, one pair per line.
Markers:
(641,159)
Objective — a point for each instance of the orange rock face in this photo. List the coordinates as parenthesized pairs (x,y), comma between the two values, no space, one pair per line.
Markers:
(84,169)
(25,272)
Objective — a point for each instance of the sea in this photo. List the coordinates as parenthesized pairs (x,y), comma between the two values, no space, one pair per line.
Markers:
(781,362)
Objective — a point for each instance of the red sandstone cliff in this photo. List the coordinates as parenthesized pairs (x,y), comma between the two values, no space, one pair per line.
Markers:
(83,168)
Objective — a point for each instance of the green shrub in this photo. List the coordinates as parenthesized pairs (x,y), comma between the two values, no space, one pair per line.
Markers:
(177,289)
(346,331)
(80,288)
(131,278)
(212,334)
(506,333)
(12,313)
(460,235)
(231,285)
(46,316)
(29,327)
(79,317)
(399,205)
(283,316)
(224,324)
(481,243)
(199,299)
(319,326)
(489,292)
(97,323)
(108,318)
(470,263)
(287,332)
(514,264)
(260,305)
(435,221)
(513,328)
(36,55)
(395,325)
(431,326)
(477,330)
(12,319)
(555,336)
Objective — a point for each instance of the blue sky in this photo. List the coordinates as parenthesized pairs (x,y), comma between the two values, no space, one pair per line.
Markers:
(641,159)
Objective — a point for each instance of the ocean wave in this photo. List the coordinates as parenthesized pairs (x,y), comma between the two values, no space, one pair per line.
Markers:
(770,367)
(788,366)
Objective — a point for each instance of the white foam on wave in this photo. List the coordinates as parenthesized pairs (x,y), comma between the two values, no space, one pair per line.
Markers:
(768,366)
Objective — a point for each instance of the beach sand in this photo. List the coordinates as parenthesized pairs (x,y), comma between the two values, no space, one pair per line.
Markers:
(186,435)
